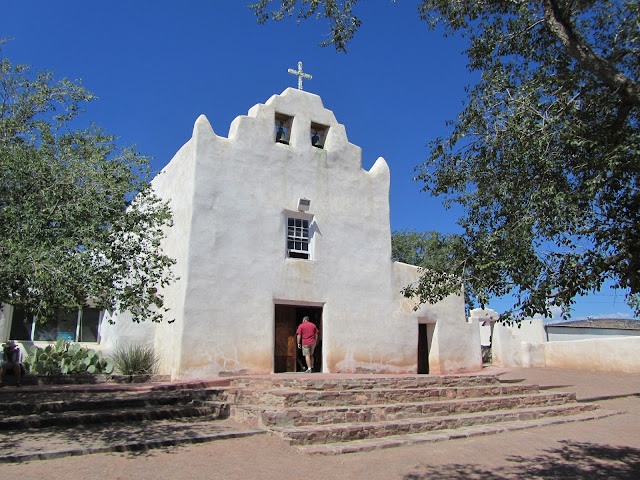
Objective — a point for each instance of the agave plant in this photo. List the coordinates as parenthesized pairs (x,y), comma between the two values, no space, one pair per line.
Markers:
(135,359)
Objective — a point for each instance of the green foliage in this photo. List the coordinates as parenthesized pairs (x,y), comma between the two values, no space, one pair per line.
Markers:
(79,219)
(135,359)
(342,22)
(544,158)
(424,249)
(64,358)
(443,262)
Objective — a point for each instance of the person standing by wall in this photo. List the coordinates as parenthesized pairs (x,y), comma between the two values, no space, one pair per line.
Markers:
(307,337)
(10,361)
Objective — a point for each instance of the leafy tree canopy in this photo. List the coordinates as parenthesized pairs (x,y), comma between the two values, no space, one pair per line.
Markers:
(78,218)
(544,158)
(437,255)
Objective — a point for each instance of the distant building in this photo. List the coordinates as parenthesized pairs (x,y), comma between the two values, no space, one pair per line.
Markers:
(592,328)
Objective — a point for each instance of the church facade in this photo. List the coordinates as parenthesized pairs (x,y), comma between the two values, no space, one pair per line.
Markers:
(279,221)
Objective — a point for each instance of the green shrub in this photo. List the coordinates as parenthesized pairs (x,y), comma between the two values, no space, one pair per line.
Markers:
(135,359)
(64,358)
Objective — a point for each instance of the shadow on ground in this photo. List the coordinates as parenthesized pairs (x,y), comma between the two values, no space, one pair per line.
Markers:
(573,460)
(133,437)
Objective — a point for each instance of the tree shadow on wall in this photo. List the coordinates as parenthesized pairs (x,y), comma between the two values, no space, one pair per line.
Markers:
(573,460)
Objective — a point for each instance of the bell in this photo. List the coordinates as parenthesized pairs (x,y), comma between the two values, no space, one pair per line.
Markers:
(280,135)
(315,140)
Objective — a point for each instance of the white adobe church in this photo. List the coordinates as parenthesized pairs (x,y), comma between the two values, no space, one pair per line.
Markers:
(277,221)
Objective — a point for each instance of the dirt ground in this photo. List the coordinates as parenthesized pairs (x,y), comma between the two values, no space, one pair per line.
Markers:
(601,449)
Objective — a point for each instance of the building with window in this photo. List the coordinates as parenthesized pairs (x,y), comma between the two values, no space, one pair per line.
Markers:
(279,221)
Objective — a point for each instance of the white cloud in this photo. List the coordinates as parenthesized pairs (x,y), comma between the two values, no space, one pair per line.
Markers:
(556,315)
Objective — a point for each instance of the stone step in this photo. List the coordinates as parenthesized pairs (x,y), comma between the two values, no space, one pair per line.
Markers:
(298,416)
(447,434)
(109,415)
(55,442)
(290,398)
(65,402)
(67,383)
(316,434)
(362,383)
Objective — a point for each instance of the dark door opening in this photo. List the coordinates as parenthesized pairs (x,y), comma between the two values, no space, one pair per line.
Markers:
(287,357)
(425,335)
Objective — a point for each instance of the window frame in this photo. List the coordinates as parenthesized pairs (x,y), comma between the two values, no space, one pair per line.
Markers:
(295,253)
(77,333)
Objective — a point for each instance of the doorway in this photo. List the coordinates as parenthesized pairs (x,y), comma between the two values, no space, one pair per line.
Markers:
(286,356)
(425,336)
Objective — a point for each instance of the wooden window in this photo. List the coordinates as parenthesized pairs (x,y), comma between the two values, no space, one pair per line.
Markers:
(298,238)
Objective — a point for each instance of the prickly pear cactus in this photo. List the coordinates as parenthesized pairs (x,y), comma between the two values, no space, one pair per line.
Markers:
(64,358)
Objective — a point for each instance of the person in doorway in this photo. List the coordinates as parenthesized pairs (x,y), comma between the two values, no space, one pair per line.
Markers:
(307,337)
(10,361)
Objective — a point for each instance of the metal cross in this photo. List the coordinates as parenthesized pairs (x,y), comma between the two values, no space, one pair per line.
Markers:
(300,75)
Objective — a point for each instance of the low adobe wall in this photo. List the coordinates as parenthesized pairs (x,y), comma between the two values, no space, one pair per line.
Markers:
(601,355)
(527,347)
(507,340)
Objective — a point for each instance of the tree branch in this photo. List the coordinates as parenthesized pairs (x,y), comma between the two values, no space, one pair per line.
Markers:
(586,57)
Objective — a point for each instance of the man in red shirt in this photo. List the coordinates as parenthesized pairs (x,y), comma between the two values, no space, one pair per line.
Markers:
(307,337)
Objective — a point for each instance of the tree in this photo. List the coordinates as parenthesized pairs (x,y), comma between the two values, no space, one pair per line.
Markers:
(437,255)
(544,158)
(78,218)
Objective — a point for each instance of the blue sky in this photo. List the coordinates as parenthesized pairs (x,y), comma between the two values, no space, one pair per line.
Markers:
(157,65)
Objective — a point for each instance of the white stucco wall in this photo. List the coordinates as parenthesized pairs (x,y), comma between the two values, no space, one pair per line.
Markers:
(455,346)
(605,354)
(124,332)
(486,318)
(178,177)
(507,348)
(230,199)
(527,346)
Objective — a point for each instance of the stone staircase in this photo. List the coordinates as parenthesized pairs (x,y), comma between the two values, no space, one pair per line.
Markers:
(39,422)
(104,407)
(316,413)
(333,415)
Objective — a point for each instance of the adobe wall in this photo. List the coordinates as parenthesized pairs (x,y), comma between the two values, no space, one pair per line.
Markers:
(598,355)
(506,347)
(527,347)
(455,345)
